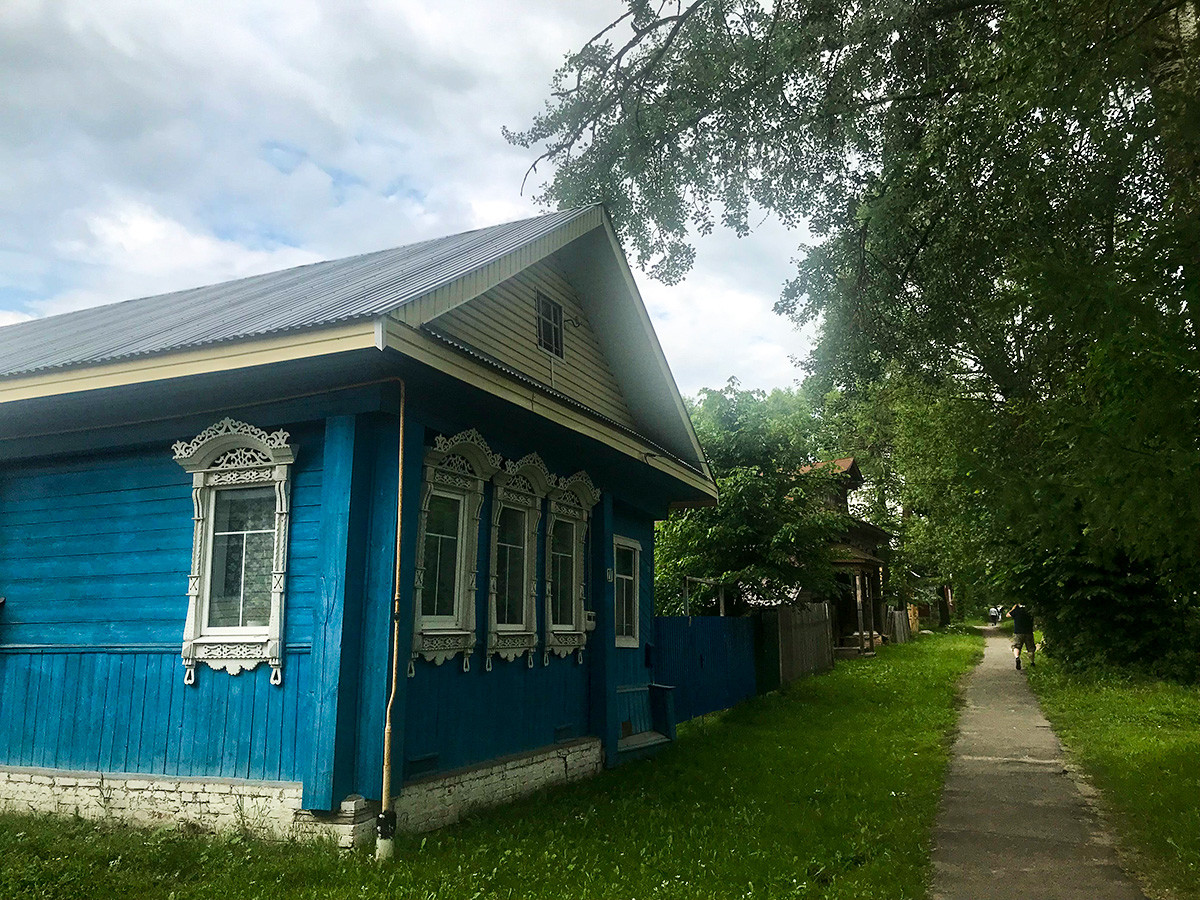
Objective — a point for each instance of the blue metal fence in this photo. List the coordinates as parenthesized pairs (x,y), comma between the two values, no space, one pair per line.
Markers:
(708,659)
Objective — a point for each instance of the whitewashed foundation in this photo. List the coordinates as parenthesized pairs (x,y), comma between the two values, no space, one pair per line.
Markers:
(269,809)
(272,809)
(439,800)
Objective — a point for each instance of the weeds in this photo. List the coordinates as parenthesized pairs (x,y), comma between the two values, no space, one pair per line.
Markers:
(1139,740)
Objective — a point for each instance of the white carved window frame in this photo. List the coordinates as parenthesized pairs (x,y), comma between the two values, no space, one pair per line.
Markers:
(455,467)
(231,455)
(571,501)
(522,485)
(624,543)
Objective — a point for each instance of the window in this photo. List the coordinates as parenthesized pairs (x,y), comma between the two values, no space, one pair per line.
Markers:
(570,507)
(456,470)
(443,564)
(516,512)
(550,325)
(240,496)
(243,547)
(562,574)
(625,591)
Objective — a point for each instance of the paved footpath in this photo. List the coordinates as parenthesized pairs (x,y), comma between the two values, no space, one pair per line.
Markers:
(1013,824)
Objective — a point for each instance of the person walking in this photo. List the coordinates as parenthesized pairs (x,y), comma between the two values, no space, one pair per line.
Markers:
(1022,631)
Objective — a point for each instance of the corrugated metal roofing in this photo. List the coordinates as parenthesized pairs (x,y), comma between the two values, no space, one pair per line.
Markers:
(324,293)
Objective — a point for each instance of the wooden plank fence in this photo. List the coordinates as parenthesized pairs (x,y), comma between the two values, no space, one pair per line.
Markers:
(793,642)
(715,662)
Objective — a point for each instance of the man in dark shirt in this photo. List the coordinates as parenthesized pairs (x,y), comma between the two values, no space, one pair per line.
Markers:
(1022,631)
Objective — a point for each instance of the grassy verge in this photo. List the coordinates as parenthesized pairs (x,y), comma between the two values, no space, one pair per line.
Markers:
(1139,740)
(827,789)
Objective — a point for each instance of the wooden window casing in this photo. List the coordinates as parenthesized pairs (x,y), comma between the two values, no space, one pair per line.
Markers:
(456,470)
(626,590)
(550,325)
(234,465)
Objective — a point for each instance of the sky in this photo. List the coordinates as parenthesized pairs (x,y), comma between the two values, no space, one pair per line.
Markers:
(153,145)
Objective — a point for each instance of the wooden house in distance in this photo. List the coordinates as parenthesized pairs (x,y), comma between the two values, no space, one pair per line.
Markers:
(858,612)
(229,514)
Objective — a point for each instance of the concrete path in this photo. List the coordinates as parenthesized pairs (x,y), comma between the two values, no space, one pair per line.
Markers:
(1013,823)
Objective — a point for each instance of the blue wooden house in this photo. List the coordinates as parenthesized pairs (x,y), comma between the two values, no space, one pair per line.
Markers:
(259,538)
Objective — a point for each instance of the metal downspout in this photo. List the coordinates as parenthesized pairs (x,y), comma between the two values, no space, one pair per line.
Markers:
(385,825)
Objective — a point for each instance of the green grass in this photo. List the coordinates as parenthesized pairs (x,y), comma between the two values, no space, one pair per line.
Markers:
(1139,740)
(827,789)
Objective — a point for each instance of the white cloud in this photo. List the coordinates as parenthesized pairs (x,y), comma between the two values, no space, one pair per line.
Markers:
(135,251)
(8,317)
(147,147)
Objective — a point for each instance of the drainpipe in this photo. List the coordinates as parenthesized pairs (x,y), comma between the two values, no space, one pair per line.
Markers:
(385,825)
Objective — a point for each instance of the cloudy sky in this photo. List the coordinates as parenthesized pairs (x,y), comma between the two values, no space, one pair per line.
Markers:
(153,145)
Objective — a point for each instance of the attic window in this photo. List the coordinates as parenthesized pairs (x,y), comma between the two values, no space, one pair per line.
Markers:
(550,325)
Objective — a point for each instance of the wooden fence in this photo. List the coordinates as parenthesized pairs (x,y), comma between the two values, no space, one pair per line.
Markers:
(793,642)
(715,662)
(899,629)
(708,659)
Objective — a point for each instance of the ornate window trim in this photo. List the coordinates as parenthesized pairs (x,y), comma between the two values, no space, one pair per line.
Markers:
(522,485)
(456,467)
(229,455)
(570,501)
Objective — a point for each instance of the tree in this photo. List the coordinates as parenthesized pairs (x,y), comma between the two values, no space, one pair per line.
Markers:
(770,534)
(1007,199)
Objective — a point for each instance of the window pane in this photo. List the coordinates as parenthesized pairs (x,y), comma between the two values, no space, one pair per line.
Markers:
(562,575)
(441,556)
(441,561)
(225,581)
(447,581)
(246,509)
(443,516)
(514,588)
(622,607)
(510,578)
(256,583)
(550,325)
(625,561)
(563,539)
(510,566)
(511,530)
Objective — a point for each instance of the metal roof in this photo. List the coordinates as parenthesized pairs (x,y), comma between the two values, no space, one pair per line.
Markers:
(320,294)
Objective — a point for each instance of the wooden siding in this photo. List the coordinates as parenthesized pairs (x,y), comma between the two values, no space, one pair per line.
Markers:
(458,718)
(94,558)
(129,711)
(503,323)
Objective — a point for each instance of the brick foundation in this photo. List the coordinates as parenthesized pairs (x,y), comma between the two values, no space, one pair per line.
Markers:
(273,809)
(265,808)
(439,800)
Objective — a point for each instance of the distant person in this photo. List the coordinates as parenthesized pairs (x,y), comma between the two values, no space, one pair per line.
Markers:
(1022,632)
(994,615)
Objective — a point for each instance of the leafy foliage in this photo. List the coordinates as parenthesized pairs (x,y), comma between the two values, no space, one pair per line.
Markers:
(771,532)
(1007,199)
